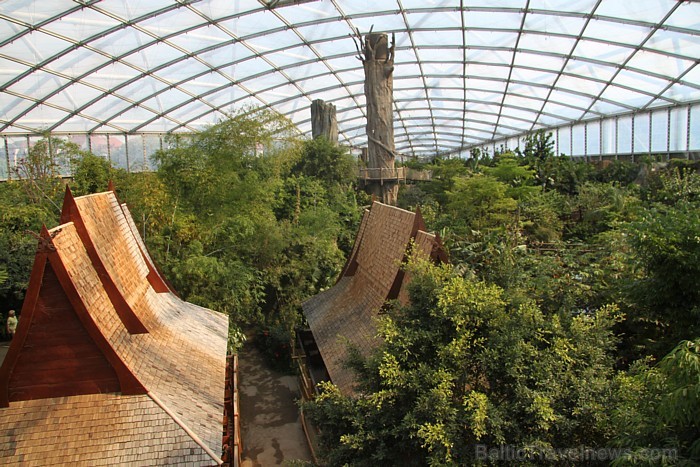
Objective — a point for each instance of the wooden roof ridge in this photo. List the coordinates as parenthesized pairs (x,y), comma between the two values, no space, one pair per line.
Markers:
(374,276)
(71,213)
(149,355)
(418,226)
(351,263)
(47,258)
(155,276)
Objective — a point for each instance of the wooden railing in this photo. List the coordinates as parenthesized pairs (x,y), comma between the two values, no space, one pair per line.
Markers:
(399,174)
(232,427)
(418,175)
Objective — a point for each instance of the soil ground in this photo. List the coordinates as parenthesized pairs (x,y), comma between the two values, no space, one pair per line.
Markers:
(270,425)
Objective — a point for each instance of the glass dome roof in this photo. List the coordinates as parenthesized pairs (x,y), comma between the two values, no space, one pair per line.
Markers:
(466,72)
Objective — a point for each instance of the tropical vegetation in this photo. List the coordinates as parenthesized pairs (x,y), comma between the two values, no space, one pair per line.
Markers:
(565,329)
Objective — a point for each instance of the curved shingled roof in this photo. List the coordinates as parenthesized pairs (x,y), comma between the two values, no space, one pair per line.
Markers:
(467,71)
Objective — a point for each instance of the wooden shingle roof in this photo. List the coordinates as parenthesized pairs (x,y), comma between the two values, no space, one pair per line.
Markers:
(171,413)
(345,314)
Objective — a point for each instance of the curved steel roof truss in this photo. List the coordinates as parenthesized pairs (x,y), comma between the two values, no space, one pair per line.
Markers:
(461,66)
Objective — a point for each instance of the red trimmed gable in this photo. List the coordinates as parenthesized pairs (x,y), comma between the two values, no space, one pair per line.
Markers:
(58,357)
(58,350)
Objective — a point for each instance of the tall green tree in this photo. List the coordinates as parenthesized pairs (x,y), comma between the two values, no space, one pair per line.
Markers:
(326,162)
(658,419)
(461,368)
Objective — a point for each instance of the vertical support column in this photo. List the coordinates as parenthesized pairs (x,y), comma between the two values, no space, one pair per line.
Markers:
(144,168)
(126,152)
(687,135)
(634,117)
(26,138)
(109,151)
(378,61)
(323,121)
(650,128)
(571,140)
(600,140)
(668,133)
(617,130)
(7,158)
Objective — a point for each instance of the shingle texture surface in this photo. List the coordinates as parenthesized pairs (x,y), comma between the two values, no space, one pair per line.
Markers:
(180,362)
(95,429)
(346,313)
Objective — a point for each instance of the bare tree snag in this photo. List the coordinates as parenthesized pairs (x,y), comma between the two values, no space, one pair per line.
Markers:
(378,59)
(323,121)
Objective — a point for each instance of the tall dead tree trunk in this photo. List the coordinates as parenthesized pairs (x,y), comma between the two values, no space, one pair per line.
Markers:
(378,60)
(323,121)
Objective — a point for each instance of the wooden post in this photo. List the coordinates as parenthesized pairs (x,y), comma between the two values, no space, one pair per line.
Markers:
(323,121)
(378,59)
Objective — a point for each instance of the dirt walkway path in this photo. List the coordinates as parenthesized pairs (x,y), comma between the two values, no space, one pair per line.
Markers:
(270,426)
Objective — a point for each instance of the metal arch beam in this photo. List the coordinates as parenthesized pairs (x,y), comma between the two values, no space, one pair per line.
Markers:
(186,56)
(451,137)
(452,119)
(637,49)
(566,62)
(211,22)
(53,106)
(34,27)
(271,71)
(319,57)
(415,10)
(122,25)
(44,101)
(158,115)
(75,44)
(444,136)
(288,99)
(464,68)
(293,45)
(71,80)
(569,120)
(342,110)
(506,49)
(659,96)
(215,90)
(420,65)
(496,9)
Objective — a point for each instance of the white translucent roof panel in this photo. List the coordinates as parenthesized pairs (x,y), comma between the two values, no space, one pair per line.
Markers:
(466,71)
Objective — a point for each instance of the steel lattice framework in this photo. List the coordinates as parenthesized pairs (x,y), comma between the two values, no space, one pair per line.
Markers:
(467,72)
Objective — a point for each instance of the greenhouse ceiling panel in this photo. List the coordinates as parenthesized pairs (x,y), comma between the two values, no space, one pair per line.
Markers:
(466,72)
